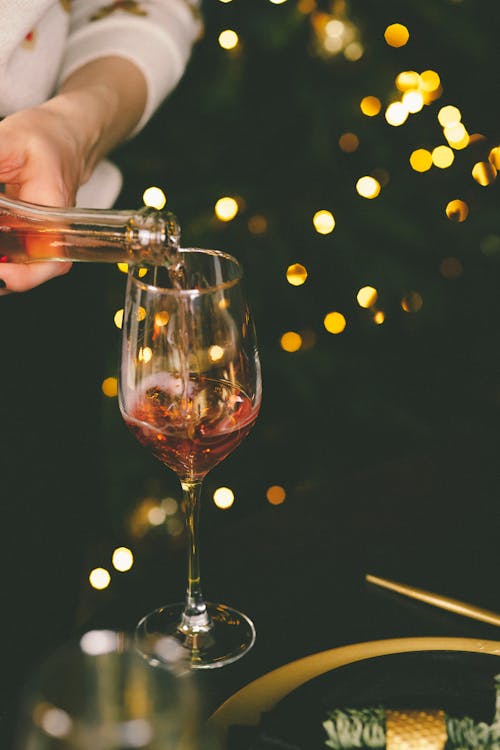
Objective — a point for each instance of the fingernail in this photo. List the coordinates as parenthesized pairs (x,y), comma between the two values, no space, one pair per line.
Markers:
(2,284)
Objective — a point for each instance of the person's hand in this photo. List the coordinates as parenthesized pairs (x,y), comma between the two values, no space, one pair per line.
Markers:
(40,162)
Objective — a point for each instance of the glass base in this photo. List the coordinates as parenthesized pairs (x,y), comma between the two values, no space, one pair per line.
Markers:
(226,637)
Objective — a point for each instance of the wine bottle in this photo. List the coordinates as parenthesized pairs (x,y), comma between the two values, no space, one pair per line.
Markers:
(32,233)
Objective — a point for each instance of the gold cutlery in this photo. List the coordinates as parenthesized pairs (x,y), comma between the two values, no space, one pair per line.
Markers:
(436,600)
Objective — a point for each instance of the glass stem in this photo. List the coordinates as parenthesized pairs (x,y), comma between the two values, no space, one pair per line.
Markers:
(195,616)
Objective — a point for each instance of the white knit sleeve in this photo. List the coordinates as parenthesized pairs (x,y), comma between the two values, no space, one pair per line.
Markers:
(156,35)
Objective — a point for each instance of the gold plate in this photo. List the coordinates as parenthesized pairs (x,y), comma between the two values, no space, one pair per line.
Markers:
(246,706)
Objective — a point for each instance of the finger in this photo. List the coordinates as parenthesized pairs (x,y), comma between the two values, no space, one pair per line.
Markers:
(19,277)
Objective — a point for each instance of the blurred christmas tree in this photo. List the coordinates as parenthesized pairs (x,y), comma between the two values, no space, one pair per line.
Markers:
(284,108)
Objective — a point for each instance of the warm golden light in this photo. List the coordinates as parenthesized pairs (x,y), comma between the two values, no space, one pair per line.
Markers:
(296,274)
(118,318)
(223,497)
(412,302)
(368,187)
(99,578)
(123,267)
(334,322)
(484,173)
(122,559)
(354,51)
(156,515)
(451,268)
(226,208)
(396,114)
(407,79)
(154,197)
(215,353)
(421,160)
(370,106)
(430,80)
(109,387)
(257,224)
(413,101)
(324,222)
(161,318)
(367,296)
(277,2)
(442,157)
(396,35)
(348,142)
(145,354)
(449,115)
(457,210)
(456,135)
(379,317)
(276,495)
(228,39)
(291,341)
(494,157)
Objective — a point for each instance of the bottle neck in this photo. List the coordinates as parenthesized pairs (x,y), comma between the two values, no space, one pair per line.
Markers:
(29,232)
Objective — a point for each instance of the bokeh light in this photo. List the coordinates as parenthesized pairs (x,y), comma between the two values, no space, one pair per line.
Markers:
(396,35)
(449,115)
(324,222)
(215,353)
(154,197)
(257,224)
(407,79)
(223,497)
(334,322)
(421,160)
(412,302)
(367,296)
(442,157)
(484,173)
(99,578)
(296,274)
(276,494)
(368,187)
(494,157)
(429,80)
(348,142)
(226,208)
(109,387)
(370,106)
(161,318)
(457,210)
(396,114)
(118,318)
(228,39)
(379,317)
(291,341)
(413,101)
(451,268)
(122,559)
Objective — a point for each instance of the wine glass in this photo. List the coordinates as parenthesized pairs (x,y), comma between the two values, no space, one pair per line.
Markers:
(190,391)
(99,693)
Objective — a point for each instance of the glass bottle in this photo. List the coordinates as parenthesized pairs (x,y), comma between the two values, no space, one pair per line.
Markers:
(32,233)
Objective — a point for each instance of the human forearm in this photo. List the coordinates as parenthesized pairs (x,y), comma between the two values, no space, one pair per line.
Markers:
(102,101)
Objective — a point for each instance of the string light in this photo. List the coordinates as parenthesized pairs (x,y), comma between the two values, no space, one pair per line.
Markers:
(291,341)
(226,208)
(154,197)
(324,222)
(442,157)
(370,106)
(484,173)
(396,114)
(276,495)
(367,296)
(223,497)
(228,39)
(421,160)
(122,559)
(296,274)
(396,35)
(368,187)
(109,387)
(99,578)
(457,210)
(334,322)
(348,142)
